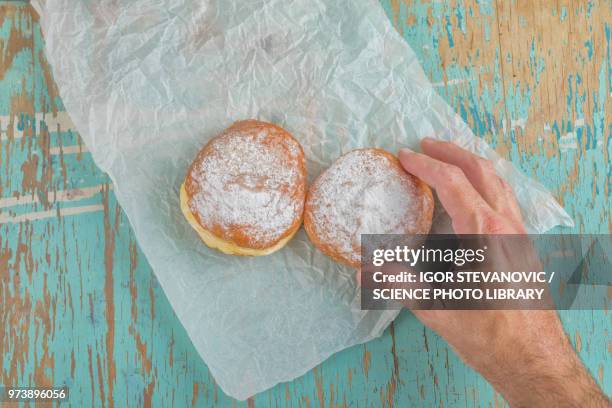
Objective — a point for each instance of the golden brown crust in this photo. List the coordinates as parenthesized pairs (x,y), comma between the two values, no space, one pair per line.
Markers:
(284,150)
(423,200)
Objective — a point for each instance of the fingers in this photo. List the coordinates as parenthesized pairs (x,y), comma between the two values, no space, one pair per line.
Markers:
(468,210)
(480,173)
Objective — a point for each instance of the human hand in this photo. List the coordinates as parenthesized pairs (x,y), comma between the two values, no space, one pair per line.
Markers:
(523,353)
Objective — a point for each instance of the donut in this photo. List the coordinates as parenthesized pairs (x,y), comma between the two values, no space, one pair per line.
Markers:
(244,192)
(365,191)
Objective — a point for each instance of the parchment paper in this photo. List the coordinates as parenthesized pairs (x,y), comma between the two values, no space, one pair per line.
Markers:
(148,82)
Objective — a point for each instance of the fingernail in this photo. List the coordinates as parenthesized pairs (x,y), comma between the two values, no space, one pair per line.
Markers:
(405,150)
(429,139)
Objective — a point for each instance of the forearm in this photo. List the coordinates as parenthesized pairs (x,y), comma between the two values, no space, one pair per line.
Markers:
(545,373)
(524,354)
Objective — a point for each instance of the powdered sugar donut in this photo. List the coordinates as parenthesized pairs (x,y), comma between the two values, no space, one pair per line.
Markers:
(244,192)
(365,191)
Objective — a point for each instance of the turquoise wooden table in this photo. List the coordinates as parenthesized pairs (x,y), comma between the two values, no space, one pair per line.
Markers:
(79,305)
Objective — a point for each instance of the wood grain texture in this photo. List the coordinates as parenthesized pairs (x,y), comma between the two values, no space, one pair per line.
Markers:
(80,305)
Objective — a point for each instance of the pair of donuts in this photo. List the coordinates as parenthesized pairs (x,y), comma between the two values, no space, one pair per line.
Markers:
(245,194)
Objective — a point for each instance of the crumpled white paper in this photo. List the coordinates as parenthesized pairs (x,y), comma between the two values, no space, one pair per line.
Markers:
(148,82)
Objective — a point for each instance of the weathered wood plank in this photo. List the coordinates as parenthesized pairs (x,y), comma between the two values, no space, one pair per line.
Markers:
(81,306)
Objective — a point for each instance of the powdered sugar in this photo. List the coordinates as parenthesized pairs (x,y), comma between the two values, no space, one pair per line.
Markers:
(248,180)
(363,192)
